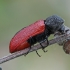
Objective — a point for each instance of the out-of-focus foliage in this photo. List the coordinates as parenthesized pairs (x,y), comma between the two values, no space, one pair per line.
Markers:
(16,14)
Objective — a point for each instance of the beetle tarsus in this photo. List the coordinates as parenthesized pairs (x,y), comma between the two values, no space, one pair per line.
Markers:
(38,54)
(44,50)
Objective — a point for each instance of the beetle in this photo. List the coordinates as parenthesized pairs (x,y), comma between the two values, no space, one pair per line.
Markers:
(36,32)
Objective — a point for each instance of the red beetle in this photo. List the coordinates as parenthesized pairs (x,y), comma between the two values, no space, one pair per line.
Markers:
(36,32)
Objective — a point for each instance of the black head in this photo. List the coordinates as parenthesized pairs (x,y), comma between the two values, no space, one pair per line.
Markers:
(54,23)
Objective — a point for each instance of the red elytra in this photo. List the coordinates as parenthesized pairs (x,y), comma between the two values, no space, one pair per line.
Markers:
(19,41)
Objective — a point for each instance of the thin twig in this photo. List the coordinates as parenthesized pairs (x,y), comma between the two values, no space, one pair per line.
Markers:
(34,48)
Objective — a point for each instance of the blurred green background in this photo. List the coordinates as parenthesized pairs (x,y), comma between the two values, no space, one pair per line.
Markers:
(16,14)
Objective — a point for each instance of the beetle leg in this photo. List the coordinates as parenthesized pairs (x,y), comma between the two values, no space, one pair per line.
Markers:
(31,39)
(27,51)
(37,53)
(42,47)
(47,44)
(29,47)
(47,40)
